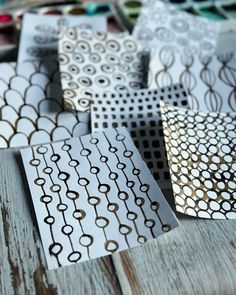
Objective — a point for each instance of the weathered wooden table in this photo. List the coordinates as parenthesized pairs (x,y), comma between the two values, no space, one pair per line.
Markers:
(199,257)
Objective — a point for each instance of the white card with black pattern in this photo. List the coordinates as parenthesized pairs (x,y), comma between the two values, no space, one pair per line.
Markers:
(94,196)
(201,156)
(39,33)
(31,106)
(160,24)
(210,80)
(93,62)
(139,111)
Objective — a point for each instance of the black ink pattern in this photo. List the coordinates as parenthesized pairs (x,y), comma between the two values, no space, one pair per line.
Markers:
(210,80)
(93,62)
(201,154)
(94,196)
(139,111)
(160,24)
(31,106)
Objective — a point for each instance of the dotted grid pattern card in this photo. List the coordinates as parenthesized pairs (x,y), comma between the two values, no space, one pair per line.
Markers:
(94,196)
(39,33)
(139,111)
(92,62)
(201,153)
(31,106)
(210,80)
(160,24)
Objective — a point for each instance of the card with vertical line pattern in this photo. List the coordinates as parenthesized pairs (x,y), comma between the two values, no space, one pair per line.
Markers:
(210,80)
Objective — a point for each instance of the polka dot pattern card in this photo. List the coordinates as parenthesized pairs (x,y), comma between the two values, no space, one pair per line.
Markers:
(201,153)
(93,196)
(92,62)
(139,112)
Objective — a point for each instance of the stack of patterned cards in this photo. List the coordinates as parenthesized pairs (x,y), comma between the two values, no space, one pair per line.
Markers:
(161,106)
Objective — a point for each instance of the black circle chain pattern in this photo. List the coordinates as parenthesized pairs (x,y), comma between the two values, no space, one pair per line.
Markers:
(94,196)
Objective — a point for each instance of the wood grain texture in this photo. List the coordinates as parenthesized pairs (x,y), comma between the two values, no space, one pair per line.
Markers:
(199,257)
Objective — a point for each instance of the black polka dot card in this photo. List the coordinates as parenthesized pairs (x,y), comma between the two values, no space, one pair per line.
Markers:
(201,153)
(92,62)
(93,196)
(139,112)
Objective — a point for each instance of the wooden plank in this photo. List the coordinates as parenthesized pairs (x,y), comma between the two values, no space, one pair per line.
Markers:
(199,258)
(22,261)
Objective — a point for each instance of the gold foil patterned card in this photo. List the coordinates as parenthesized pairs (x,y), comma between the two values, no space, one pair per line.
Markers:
(139,111)
(210,80)
(201,149)
(92,62)
(94,196)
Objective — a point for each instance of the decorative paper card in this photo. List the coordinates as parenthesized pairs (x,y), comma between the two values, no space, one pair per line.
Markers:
(210,80)
(160,24)
(31,106)
(139,111)
(39,33)
(227,38)
(92,62)
(201,153)
(94,196)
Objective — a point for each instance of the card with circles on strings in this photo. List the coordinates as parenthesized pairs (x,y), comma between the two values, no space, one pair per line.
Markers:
(94,196)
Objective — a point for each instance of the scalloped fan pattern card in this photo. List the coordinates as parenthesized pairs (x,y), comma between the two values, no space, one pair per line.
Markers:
(31,106)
